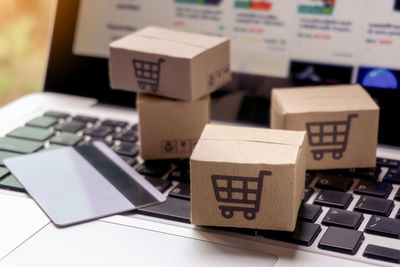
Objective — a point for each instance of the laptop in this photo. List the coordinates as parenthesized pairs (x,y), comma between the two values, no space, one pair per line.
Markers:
(272,46)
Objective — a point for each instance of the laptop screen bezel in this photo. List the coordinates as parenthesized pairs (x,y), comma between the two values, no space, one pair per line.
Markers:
(68,73)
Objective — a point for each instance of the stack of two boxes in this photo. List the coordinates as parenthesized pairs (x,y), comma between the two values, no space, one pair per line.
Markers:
(173,73)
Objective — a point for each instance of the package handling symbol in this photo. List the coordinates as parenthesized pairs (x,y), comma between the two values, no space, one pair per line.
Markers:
(330,136)
(148,73)
(239,194)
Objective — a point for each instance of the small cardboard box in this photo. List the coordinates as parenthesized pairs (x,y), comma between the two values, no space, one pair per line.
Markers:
(341,122)
(170,63)
(170,128)
(247,177)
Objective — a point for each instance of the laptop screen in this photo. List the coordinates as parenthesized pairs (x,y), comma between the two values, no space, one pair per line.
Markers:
(312,41)
(274,43)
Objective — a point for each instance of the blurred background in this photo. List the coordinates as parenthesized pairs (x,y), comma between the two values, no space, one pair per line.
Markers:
(24,35)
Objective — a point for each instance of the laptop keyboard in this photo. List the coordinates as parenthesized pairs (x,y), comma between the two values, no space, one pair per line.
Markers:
(335,189)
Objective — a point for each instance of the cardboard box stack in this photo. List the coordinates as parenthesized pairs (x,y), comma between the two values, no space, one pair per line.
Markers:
(174,67)
(341,123)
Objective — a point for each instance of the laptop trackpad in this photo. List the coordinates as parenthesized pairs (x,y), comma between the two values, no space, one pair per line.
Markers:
(105,244)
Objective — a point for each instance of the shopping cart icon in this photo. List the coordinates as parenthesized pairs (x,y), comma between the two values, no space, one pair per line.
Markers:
(148,73)
(239,194)
(330,136)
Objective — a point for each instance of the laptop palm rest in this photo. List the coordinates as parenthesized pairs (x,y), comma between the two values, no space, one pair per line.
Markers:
(120,245)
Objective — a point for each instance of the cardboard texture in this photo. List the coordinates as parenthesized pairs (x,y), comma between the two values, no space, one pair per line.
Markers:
(170,128)
(170,63)
(341,122)
(247,177)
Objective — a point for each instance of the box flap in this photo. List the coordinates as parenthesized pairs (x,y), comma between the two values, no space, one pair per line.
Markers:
(327,98)
(161,47)
(188,38)
(248,145)
(261,135)
(155,40)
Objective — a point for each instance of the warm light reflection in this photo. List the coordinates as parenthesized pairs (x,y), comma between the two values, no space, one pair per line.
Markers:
(24,27)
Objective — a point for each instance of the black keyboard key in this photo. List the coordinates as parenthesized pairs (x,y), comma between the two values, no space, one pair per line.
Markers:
(98,131)
(134,127)
(126,149)
(114,123)
(131,161)
(374,205)
(180,175)
(127,136)
(387,163)
(309,212)
(304,234)
(333,199)
(372,188)
(308,192)
(333,182)
(42,122)
(174,209)
(343,218)
(19,145)
(383,226)
(66,139)
(5,155)
(341,240)
(3,172)
(85,119)
(160,184)
(397,196)
(398,214)
(382,253)
(366,173)
(70,126)
(11,183)
(392,176)
(182,190)
(154,168)
(31,133)
(56,114)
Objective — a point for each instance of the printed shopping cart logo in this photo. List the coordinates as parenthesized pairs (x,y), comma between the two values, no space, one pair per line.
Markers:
(237,193)
(148,73)
(329,137)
